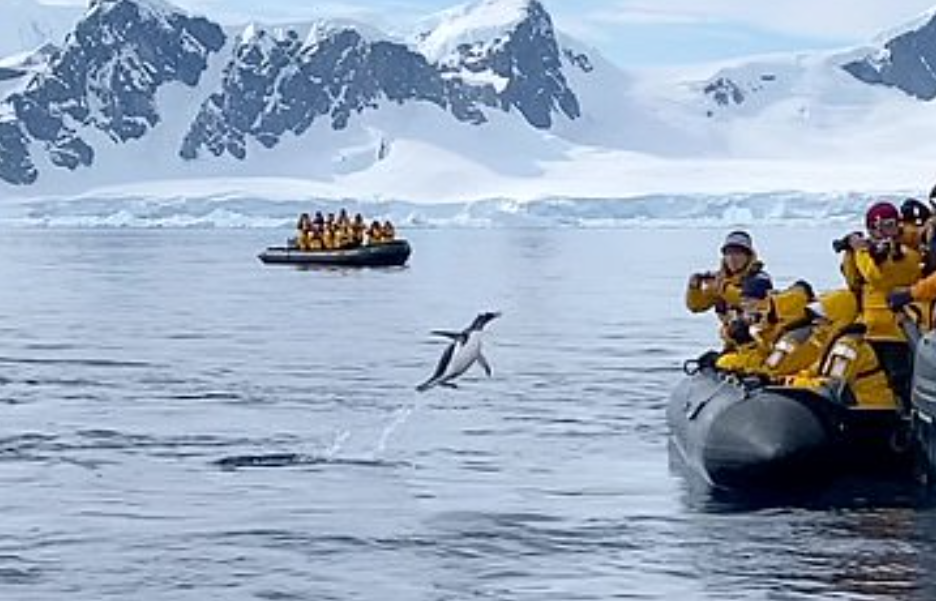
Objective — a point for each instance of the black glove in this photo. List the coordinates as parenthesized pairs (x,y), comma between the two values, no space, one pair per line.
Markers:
(899,299)
(708,359)
(880,250)
(739,332)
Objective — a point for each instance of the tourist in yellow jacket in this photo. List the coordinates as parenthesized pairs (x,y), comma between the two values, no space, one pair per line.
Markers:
(802,342)
(303,227)
(374,233)
(722,290)
(743,352)
(763,321)
(877,265)
(849,367)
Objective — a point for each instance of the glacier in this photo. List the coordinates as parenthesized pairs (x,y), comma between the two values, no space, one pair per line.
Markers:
(694,210)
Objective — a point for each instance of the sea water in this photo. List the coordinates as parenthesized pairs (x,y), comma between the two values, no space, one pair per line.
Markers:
(179,421)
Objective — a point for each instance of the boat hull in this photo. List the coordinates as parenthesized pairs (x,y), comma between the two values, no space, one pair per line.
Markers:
(738,437)
(385,254)
(923,400)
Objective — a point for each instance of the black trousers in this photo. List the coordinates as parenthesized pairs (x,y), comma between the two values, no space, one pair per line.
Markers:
(897,363)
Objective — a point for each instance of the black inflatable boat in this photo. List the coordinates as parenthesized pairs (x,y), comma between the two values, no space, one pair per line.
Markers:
(924,402)
(384,254)
(743,435)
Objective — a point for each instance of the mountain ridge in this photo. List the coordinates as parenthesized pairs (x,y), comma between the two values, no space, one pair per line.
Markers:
(492,85)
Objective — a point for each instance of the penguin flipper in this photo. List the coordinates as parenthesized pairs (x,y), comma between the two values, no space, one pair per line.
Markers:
(484,364)
(447,334)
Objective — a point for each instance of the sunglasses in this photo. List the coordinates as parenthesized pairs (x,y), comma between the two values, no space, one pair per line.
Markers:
(886,224)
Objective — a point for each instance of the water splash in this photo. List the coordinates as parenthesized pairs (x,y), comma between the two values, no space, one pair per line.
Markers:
(329,453)
(399,418)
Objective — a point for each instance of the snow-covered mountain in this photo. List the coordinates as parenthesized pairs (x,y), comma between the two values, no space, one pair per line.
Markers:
(254,87)
(279,82)
(486,100)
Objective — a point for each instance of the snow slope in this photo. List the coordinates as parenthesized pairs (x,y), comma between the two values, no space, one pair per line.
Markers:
(28,24)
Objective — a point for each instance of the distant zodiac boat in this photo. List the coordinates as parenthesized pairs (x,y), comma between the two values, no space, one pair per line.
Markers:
(383,254)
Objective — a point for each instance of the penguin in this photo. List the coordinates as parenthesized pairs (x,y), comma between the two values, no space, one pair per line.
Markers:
(460,354)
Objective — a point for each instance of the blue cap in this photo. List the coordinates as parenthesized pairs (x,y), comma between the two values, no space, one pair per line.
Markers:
(756,286)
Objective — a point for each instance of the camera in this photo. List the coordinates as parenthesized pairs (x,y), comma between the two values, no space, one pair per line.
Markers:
(844,243)
(880,249)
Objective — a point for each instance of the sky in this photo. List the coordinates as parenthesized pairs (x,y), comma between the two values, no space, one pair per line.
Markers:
(632,33)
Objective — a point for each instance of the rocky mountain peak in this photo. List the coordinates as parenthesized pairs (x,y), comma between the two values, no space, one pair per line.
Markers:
(905,60)
(496,55)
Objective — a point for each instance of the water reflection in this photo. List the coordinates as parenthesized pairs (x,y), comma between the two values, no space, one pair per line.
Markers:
(856,538)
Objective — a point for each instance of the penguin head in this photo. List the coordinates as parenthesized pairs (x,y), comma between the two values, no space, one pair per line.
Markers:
(483,318)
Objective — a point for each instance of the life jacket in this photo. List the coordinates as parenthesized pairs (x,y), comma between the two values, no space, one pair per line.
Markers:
(795,350)
(374,235)
(314,241)
(848,360)
(328,237)
(802,342)
(357,232)
(779,311)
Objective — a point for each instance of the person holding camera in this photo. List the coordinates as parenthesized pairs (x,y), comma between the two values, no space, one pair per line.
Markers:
(721,290)
(874,266)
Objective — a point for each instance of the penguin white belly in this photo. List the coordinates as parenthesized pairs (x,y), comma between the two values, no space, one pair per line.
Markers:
(464,356)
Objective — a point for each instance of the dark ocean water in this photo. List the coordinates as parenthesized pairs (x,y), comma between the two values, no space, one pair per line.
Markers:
(178,421)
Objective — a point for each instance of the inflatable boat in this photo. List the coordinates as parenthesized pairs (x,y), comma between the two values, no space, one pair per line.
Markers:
(746,435)
(923,400)
(384,254)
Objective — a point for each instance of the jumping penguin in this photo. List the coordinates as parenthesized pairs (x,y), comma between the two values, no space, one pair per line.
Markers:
(461,354)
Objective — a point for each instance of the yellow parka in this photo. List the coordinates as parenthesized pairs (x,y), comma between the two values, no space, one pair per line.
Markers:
(849,361)
(328,237)
(723,292)
(874,280)
(802,343)
(781,310)
(911,235)
(925,289)
(845,358)
(923,307)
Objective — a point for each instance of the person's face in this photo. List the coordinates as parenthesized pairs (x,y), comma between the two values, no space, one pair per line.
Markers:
(736,258)
(885,229)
